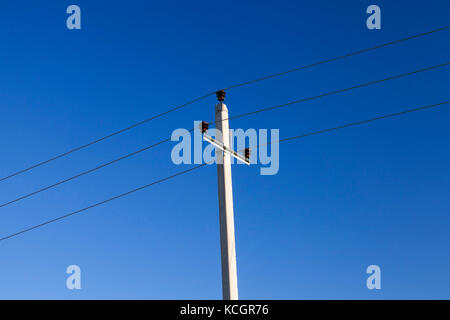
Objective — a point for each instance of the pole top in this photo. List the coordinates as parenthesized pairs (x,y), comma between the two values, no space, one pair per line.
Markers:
(220,95)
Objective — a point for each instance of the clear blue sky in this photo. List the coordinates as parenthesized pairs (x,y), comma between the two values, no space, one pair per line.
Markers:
(375,194)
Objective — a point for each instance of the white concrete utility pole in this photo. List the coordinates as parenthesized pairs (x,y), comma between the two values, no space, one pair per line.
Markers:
(226,214)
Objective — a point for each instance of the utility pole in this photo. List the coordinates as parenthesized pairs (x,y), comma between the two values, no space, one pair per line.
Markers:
(226,214)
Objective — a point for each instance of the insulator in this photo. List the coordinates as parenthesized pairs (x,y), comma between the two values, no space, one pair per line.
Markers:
(247,153)
(220,95)
(204,126)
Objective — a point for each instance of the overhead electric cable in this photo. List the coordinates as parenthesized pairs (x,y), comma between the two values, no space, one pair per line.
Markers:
(100,203)
(234,117)
(357,123)
(330,93)
(354,53)
(202,165)
(64,154)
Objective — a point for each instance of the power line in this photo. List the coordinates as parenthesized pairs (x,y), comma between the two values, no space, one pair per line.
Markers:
(90,170)
(234,117)
(104,138)
(202,165)
(100,203)
(339,91)
(337,58)
(212,93)
(357,123)
(83,173)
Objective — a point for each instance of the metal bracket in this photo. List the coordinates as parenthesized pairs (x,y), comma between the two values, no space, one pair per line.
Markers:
(220,145)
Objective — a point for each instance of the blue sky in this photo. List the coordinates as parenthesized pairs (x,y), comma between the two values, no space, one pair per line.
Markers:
(375,194)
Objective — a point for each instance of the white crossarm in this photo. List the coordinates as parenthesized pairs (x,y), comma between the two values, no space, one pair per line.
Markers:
(220,145)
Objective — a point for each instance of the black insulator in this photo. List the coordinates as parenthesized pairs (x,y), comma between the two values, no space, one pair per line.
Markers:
(204,126)
(247,153)
(220,95)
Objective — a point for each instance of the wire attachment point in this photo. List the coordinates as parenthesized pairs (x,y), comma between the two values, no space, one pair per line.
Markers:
(204,126)
(247,154)
(220,95)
